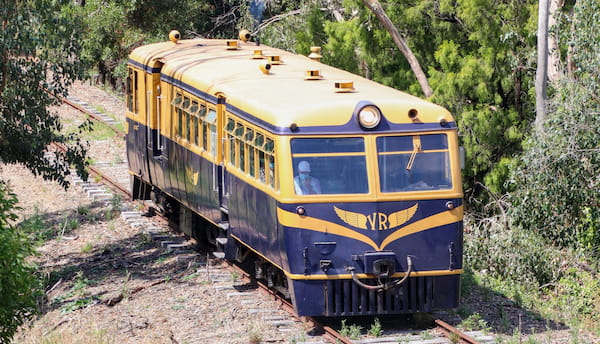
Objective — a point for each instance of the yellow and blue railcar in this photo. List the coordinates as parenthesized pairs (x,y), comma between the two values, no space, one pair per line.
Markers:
(344,192)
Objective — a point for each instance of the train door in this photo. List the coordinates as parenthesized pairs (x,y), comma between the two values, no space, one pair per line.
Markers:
(155,146)
(224,191)
(137,124)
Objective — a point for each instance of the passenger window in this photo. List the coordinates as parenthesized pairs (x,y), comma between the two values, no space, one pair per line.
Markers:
(204,135)
(129,90)
(195,127)
(261,167)
(135,92)
(187,127)
(329,166)
(179,127)
(271,175)
(213,139)
(232,150)
(251,167)
(242,156)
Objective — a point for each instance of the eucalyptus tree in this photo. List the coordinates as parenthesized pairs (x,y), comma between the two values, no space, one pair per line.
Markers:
(557,185)
(39,48)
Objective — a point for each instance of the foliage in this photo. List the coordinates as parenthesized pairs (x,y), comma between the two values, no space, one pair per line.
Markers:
(18,285)
(475,323)
(557,186)
(477,54)
(515,255)
(350,331)
(376,329)
(38,48)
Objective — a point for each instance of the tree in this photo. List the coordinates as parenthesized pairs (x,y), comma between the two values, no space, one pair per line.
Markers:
(556,184)
(402,44)
(39,48)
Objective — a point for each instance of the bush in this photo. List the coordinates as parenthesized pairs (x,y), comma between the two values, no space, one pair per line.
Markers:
(510,254)
(18,284)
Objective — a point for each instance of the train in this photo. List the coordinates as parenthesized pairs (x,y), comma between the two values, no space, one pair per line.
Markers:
(341,193)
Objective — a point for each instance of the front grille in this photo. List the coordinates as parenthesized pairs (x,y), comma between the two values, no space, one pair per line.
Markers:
(344,297)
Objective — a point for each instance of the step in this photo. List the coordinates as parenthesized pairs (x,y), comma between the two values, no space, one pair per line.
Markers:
(222,241)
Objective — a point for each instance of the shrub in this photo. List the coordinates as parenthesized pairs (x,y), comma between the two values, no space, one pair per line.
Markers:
(18,284)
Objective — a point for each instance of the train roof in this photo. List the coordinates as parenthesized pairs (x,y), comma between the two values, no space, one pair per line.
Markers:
(284,95)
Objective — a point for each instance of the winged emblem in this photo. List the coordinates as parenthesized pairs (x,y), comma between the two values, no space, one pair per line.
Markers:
(353,219)
(375,221)
(192,176)
(400,217)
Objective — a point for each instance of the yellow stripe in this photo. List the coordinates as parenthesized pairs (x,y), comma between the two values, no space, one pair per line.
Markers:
(290,219)
(259,254)
(349,276)
(363,276)
(440,219)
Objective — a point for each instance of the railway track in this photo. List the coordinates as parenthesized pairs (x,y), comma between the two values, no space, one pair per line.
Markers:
(115,177)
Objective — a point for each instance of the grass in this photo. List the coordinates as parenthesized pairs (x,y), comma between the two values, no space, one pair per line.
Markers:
(88,333)
(376,329)
(350,331)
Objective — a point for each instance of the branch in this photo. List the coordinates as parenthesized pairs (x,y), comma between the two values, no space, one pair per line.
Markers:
(401,43)
(499,204)
(276,18)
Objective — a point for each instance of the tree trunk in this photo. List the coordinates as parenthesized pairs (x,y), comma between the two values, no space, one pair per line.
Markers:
(554,72)
(401,43)
(542,66)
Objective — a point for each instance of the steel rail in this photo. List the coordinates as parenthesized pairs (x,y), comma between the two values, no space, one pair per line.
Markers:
(450,331)
(329,333)
(90,114)
(113,185)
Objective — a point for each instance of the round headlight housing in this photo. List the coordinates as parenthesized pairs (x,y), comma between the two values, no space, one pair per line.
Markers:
(369,117)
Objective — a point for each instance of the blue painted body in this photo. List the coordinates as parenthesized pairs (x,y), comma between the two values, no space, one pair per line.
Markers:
(253,219)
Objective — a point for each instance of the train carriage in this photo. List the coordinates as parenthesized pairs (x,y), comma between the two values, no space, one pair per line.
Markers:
(344,193)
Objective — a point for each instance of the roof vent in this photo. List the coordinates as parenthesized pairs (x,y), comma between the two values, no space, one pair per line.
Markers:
(274,60)
(315,54)
(313,75)
(344,87)
(231,45)
(258,54)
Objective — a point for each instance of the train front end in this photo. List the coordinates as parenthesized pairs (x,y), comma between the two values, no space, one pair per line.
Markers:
(376,222)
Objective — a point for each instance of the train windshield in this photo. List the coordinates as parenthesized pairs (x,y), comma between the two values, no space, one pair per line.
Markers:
(414,163)
(329,166)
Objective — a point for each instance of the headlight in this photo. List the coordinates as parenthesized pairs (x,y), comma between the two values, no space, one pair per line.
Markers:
(369,117)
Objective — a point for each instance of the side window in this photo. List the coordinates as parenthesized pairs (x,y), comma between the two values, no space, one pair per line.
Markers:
(229,128)
(249,136)
(211,120)
(251,151)
(135,92)
(177,119)
(129,89)
(184,124)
